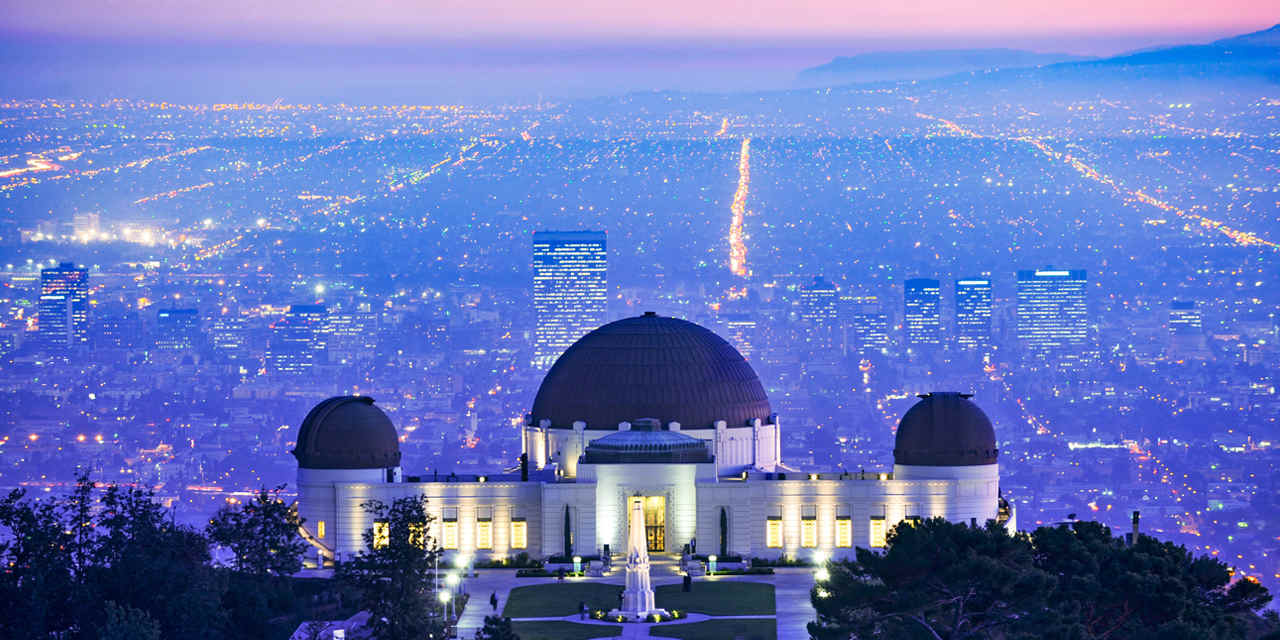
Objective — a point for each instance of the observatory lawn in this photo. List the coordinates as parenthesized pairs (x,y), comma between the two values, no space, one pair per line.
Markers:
(560,599)
(746,628)
(555,630)
(719,598)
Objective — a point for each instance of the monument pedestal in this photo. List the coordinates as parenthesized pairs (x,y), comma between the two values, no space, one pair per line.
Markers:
(637,595)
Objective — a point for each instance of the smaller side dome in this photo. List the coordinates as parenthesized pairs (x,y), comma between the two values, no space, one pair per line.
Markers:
(347,432)
(945,429)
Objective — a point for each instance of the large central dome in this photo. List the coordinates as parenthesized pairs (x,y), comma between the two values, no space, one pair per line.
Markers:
(650,367)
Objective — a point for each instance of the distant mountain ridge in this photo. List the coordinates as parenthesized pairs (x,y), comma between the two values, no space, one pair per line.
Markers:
(932,63)
(1253,56)
(1265,38)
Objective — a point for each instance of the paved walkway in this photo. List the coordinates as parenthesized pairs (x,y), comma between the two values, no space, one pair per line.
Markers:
(791,595)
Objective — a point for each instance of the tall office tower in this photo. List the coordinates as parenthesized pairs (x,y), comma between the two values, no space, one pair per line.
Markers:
(740,330)
(569,290)
(353,335)
(871,332)
(819,309)
(228,335)
(1052,312)
(64,306)
(117,330)
(177,329)
(1186,331)
(298,340)
(973,313)
(922,317)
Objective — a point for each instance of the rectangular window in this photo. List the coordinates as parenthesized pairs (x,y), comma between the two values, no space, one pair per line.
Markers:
(484,534)
(418,534)
(773,533)
(809,533)
(450,536)
(844,532)
(381,535)
(320,529)
(519,534)
(877,532)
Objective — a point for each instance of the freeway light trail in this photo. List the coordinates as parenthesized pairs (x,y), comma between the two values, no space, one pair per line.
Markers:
(737,245)
(1243,238)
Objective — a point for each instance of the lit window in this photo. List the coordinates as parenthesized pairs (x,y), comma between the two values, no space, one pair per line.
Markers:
(381,535)
(484,534)
(450,534)
(519,534)
(877,531)
(418,534)
(320,529)
(773,533)
(844,532)
(809,533)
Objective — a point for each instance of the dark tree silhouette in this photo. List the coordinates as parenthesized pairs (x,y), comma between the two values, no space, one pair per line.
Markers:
(262,533)
(395,574)
(943,581)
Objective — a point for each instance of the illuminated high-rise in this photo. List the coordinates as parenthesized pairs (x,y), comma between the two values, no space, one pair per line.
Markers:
(973,313)
(819,309)
(177,329)
(870,332)
(1186,331)
(922,318)
(569,289)
(740,330)
(64,306)
(1052,310)
(298,340)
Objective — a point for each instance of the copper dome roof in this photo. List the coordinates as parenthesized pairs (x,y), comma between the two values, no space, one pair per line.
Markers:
(945,429)
(347,432)
(650,367)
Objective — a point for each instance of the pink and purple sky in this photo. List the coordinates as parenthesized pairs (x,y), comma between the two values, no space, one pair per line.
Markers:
(1072,26)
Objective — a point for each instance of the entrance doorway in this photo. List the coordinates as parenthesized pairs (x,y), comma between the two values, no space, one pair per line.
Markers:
(655,521)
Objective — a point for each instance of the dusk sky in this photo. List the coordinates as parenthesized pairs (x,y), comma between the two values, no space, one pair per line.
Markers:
(485,51)
(1094,26)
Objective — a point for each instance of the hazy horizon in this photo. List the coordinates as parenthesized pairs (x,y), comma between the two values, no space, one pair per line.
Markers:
(304,66)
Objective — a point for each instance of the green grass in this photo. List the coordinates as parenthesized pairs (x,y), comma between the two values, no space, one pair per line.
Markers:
(749,629)
(719,598)
(561,599)
(556,630)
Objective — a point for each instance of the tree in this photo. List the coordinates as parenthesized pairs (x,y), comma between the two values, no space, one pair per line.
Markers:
(262,533)
(127,623)
(939,580)
(145,560)
(1107,589)
(496,628)
(395,574)
(935,580)
(37,584)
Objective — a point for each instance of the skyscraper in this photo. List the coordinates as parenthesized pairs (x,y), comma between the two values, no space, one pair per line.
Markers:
(1052,312)
(819,309)
(973,313)
(298,340)
(569,289)
(64,306)
(871,332)
(177,329)
(1186,331)
(740,331)
(922,316)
